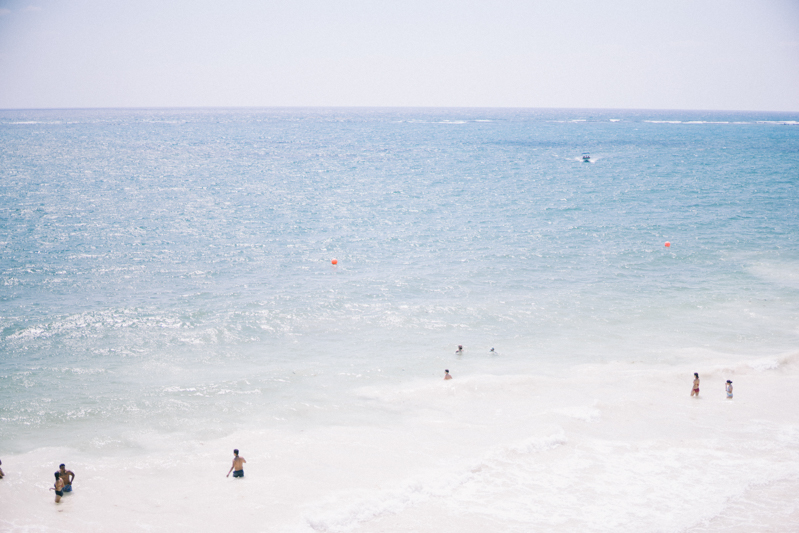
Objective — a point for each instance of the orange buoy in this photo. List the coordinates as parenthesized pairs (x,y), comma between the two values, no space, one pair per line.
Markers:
(334,261)
(668,244)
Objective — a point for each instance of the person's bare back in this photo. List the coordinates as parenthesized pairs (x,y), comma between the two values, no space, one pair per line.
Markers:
(238,465)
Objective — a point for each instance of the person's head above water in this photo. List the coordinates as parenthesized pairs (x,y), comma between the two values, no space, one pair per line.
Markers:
(235,452)
(447,371)
(696,374)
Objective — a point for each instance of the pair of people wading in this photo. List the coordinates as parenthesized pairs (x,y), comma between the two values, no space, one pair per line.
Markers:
(695,389)
(63,482)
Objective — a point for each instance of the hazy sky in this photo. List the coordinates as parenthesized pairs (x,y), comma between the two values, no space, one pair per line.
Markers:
(669,54)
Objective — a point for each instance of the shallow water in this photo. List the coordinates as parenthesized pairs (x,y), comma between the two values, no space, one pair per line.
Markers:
(168,295)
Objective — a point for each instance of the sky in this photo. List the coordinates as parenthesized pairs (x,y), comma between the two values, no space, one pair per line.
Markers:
(641,54)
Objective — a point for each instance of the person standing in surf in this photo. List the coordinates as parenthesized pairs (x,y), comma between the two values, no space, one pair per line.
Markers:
(728,388)
(695,390)
(446,375)
(68,476)
(59,487)
(238,465)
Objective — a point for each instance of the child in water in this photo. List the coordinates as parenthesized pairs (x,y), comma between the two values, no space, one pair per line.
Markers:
(729,389)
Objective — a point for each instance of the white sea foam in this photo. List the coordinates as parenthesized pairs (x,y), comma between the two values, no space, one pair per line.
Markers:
(765,364)
(603,448)
(779,122)
(168,296)
(785,274)
(587,413)
(437,483)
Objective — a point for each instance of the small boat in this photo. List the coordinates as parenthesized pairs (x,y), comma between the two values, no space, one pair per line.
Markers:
(586,158)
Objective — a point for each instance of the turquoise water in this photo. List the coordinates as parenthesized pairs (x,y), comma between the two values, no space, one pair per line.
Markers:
(168,272)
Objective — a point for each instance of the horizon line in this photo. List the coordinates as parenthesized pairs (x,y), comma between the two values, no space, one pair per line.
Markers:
(389,107)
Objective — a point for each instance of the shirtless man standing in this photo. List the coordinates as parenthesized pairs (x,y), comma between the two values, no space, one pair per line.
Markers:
(446,375)
(695,391)
(238,465)
(67,476)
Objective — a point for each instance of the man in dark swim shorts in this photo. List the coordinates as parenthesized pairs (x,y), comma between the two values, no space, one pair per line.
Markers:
(238,465)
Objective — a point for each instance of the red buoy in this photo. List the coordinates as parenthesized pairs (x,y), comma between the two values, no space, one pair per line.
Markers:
(334,261)
(668,244)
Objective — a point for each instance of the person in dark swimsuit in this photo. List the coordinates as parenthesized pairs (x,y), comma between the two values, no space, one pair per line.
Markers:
(59,487)
(238,465)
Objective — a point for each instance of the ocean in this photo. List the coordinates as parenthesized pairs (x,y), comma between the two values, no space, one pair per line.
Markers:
(168,294)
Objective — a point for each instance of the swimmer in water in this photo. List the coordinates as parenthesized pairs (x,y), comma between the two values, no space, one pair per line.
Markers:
(59,487)
(446,375)
(695,390)
(238,464)
(728,388)
(460,349)
(1,471)
(67,475)
(492,349)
